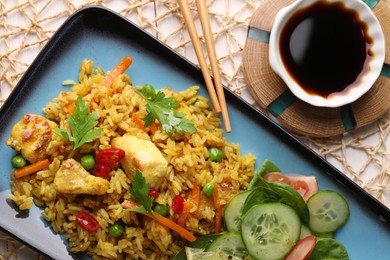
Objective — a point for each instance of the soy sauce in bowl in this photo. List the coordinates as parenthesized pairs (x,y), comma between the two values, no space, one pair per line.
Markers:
(325,47)
(328,52)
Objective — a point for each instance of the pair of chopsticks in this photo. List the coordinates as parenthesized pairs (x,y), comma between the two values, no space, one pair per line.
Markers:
(217,95)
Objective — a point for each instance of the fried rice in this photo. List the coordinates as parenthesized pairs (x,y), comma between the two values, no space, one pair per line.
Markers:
(188,165)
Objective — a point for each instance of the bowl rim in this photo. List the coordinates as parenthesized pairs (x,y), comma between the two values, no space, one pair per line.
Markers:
(336,99)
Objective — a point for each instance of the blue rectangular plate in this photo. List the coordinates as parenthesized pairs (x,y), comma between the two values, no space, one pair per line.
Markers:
(105,37)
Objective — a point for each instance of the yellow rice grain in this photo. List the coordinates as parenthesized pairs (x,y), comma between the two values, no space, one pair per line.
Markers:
(188,163)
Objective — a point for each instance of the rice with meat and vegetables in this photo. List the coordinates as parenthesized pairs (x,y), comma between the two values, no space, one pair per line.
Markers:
(188,164)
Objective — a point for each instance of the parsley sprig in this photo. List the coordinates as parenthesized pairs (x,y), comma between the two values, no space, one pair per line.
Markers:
(139,190)
(163,108)
(82,125)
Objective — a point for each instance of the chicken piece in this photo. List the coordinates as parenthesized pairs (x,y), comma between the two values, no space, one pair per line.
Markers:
(143,155)
(31,136)
(72,178)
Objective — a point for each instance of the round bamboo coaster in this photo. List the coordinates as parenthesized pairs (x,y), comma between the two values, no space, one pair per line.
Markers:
(272,93)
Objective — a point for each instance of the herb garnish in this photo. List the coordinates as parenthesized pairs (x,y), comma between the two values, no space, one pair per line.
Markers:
(81,124)
(163,108)
(140,192)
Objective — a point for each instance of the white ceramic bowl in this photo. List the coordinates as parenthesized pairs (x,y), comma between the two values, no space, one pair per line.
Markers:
(352,93)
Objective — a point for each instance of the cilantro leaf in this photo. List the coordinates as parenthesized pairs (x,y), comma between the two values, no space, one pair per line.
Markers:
(163,108)
(140,192)
(81,124)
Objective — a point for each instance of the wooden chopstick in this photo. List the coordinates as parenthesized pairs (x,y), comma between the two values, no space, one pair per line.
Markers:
(219,102)
(189,20)
(208,35)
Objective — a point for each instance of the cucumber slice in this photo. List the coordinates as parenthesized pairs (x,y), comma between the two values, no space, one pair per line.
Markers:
(230,244)
(232,212)
(269,231)
(200,243)
(292,198)
(305,231)
(328,211)
(200,254)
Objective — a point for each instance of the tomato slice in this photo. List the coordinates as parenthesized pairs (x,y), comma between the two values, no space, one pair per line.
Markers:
(305,185)
(302,249)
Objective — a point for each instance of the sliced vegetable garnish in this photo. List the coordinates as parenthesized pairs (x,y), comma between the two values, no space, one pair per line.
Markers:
(185,214)
(303,249)
(233,210)
(119,69)
(138,121)
(195,198)
(136,207)
(87,221)
(270,230)
(32,168)
(218,209)
(328,211)
(305,185)
(230,244)
(201,243)
(82,125)
(292,198)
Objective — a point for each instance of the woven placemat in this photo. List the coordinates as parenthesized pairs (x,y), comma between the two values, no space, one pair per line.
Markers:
(272,93)
(27,25)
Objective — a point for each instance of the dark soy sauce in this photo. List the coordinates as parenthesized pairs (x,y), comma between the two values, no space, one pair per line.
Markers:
(325,47)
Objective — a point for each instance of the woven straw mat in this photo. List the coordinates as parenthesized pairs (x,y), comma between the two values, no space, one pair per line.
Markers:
(27,25)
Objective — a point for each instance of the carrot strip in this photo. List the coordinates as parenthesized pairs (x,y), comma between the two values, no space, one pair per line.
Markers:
(162,220)
(175,227)
(184,215)
(120,68)
(218,210)
(153,128)
(195,198)
(139,122)
(70,107)
(29,169)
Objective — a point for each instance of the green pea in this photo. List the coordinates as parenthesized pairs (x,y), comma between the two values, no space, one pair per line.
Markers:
(116,229)
(208,189)
(18,161)
(215,154)
(88,161)
(148,90)
(161,209)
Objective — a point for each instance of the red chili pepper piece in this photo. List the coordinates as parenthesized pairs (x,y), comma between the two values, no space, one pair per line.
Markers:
(178,204)
(101,170)
(153,193)
(87,222)
(110,156)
